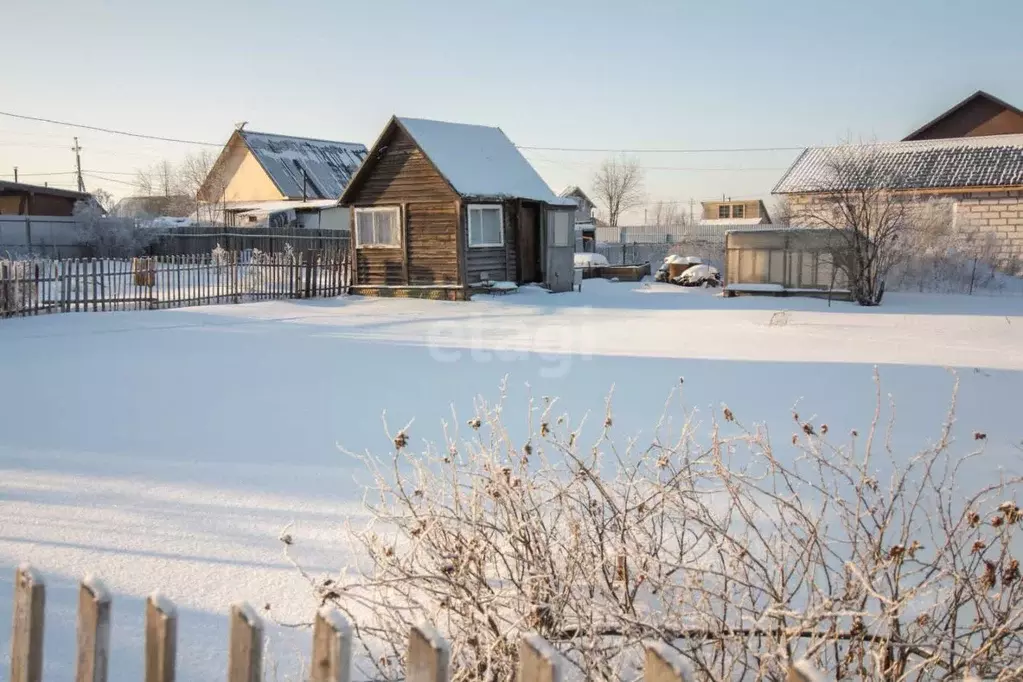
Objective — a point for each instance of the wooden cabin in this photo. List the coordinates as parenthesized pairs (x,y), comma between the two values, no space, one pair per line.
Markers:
(440,210)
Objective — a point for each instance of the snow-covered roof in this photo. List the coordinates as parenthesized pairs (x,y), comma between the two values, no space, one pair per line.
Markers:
(479,161)
(986,161)
(574,190)
(731,221)
(328,165)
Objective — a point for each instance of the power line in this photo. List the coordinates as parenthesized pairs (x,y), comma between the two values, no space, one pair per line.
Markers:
(106,179)
(110,131)
(159,138)
(74,172)
(662,151)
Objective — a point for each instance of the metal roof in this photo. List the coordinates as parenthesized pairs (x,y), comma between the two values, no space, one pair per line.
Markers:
(987,161)
(328,165)
(7,186)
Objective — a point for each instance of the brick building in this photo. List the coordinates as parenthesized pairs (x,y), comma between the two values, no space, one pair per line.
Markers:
(978,172)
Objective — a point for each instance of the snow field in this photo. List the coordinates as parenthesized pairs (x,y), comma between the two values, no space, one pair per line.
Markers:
(166,450)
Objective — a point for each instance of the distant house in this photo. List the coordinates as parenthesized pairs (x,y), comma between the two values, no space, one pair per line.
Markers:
(440,209)
(585,223)
(736,213)
(263,179)
(17,198)
(173,206)
(978,172)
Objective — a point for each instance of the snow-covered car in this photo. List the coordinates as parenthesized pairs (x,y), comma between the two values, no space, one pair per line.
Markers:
(699,276)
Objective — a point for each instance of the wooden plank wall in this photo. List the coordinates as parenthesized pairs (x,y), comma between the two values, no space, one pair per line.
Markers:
(432,244)
(403,176)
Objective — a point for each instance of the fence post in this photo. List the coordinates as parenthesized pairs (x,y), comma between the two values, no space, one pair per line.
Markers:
(27,628)
(428,655)
(245,655)
(332,647)
(309,273)
(93,631)
(664,664)
(538,661)
(5,291)
(161,638)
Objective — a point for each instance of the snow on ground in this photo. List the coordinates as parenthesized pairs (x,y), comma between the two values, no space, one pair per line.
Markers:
(166,450)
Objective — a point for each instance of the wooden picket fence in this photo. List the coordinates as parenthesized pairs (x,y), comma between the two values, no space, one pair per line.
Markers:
(428,657)
(34,287)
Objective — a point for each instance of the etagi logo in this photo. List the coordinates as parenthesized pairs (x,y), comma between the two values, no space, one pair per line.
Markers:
(556,345)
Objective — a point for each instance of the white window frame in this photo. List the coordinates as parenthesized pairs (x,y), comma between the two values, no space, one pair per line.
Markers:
(398,225)
(468,224)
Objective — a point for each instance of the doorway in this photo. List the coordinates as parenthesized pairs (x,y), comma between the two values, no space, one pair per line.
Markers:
(528,245)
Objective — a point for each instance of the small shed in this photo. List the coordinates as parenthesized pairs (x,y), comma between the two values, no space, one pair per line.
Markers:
(441,209)
(791,260)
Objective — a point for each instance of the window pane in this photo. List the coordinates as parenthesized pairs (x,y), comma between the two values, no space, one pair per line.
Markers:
(491,225)
(364,225)
(738,211)
(560,228)
(475,227)
(722,211)
(386,227)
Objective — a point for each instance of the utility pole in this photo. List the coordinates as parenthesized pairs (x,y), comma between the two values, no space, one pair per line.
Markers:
(15,173)
(78,165)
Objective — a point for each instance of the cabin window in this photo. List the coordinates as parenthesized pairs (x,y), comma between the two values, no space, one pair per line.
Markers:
(486,223)
(561,228)
(723,211)
(379,227)
(739,211)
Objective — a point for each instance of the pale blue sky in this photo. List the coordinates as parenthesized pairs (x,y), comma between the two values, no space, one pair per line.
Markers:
(560,73)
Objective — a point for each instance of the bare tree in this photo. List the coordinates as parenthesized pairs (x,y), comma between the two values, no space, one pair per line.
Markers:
(740,552)
(668,214)
(104,198)
(193,185)
(860,198)
(618,185)
(160,179)
(205,185)
(781,211)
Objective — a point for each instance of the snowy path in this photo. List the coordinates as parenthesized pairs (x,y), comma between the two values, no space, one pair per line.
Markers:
(167,449)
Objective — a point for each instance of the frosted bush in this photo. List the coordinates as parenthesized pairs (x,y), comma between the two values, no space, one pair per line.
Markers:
(742,552)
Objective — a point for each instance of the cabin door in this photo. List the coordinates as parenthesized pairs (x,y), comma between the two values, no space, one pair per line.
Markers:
(528,246)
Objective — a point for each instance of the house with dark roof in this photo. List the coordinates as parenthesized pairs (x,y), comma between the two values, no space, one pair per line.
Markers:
(263,179)
(18,198)
(441,209)
(978,172)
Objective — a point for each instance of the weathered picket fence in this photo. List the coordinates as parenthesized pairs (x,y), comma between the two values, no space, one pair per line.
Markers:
(37,286)
(427,661)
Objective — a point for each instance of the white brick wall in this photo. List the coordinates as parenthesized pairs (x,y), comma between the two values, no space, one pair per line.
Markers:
(999,214)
